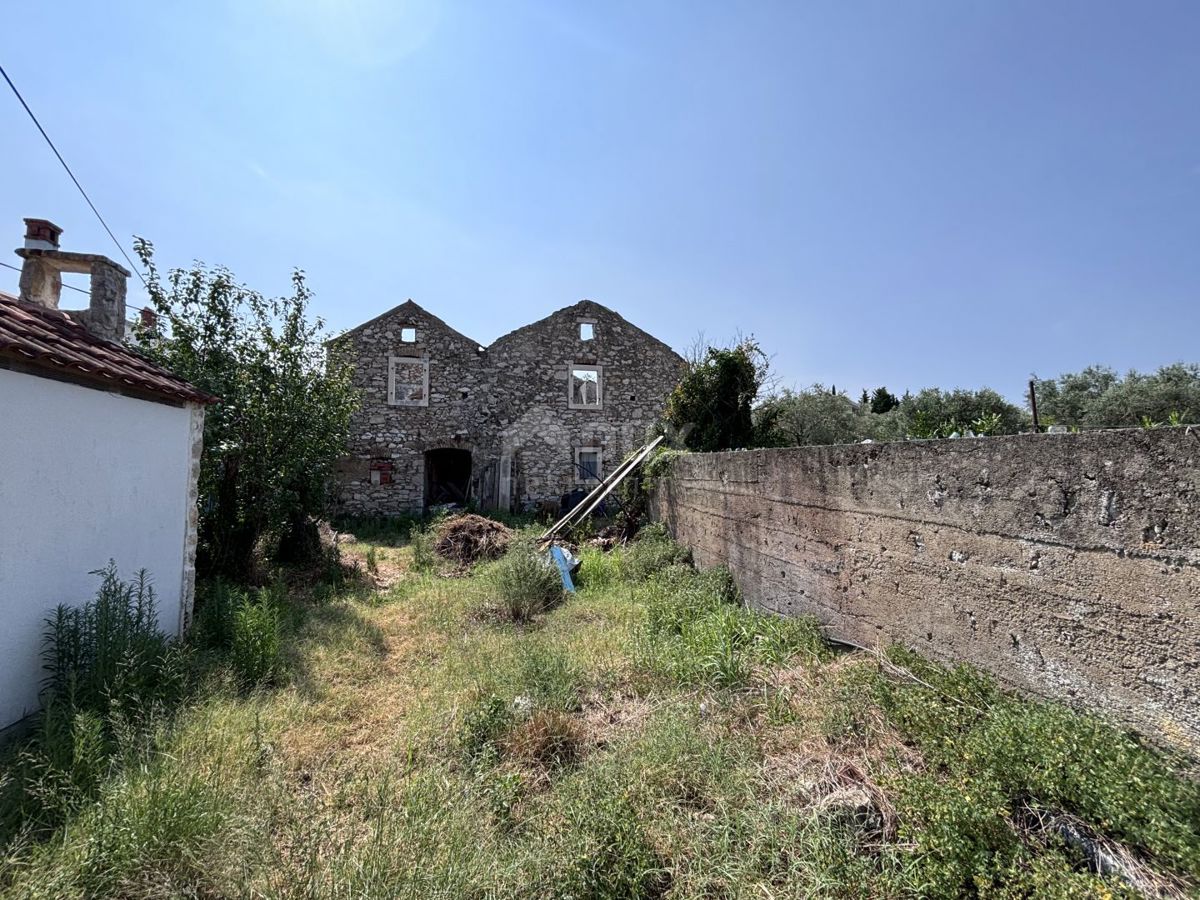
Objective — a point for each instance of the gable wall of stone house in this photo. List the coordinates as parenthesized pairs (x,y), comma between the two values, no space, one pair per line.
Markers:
(400,435)
(531,370)
(510,402)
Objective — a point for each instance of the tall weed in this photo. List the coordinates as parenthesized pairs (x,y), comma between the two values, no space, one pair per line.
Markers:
(244,625)
(108,651)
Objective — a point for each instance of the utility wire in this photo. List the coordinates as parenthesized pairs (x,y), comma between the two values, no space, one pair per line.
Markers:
(170,318)
(68,286)
(73,178)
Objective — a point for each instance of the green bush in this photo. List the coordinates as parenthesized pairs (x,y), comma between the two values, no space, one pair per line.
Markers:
(245,627)
(110,674)
(652,551)
(526,582)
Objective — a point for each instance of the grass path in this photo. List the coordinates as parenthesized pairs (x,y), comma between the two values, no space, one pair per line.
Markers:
(645,738)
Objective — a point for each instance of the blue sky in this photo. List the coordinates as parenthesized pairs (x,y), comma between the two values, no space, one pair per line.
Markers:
(899,193)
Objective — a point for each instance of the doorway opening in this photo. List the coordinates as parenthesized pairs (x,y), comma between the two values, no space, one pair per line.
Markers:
(447,476)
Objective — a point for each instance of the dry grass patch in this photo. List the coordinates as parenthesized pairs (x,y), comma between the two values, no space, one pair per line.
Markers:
(362,691)
(608,717)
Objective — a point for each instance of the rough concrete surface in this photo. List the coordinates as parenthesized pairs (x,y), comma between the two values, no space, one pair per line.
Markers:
(1066,565)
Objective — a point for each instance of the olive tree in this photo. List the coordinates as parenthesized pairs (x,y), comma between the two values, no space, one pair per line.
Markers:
(1098,397)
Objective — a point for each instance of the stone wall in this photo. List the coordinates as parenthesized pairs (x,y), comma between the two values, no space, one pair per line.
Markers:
(506,404)
(1066,565)
(530,369)
(401,434)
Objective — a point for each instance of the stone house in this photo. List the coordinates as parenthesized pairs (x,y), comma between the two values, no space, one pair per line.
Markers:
(543,410)
(99,459)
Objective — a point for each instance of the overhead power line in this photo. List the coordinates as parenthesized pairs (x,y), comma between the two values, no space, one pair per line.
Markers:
(70,287)
(67,168)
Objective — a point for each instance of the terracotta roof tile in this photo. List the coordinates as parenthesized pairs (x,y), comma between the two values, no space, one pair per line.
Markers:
(51,340)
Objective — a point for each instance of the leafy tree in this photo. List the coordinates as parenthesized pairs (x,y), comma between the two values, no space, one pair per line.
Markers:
(1098,397)
(271,443)
(812,416)
(882,401)
(821,416)
(710,408)
(937,413)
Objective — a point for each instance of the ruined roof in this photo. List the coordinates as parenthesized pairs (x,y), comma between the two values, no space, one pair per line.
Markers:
(51,343)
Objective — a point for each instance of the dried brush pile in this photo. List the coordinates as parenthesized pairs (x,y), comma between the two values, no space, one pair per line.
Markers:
(468,539)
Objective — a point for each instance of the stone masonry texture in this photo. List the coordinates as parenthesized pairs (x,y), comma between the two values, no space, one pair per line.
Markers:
(1066,565)
(507,404)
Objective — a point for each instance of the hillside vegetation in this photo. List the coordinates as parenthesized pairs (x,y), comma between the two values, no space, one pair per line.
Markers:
(403,733)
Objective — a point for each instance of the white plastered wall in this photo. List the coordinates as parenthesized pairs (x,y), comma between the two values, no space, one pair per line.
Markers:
(85,476)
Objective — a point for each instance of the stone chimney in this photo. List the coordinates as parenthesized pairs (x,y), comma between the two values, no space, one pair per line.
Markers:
(41,280)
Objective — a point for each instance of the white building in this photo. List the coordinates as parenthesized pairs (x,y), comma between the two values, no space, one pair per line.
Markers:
(99,458)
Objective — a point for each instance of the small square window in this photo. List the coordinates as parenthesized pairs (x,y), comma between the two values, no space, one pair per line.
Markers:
(585,388)
(587,331)
(588,464)
(408,335)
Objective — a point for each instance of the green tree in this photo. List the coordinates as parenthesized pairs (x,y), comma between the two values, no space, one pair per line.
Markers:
(710,408)
(933,412)
(812,416)
(1098,397)
(271,443)
(883,401)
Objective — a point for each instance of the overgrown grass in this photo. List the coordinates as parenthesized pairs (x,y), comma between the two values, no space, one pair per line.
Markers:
(647,737)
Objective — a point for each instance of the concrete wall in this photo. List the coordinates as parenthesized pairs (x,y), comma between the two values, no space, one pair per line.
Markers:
(1066,565)
(86,476)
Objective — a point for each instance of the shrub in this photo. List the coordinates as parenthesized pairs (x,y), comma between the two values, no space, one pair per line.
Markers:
(710,408)
(111,672)
(652,551)
(527,582)
(245,626)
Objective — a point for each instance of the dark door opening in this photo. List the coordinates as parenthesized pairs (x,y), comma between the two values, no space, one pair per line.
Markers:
(447,476)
